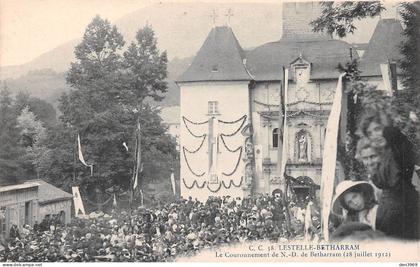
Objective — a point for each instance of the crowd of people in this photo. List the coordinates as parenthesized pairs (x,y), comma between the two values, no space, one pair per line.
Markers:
(385,204)
(161,233)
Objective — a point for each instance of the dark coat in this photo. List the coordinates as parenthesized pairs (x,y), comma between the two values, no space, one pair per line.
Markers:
(398,211)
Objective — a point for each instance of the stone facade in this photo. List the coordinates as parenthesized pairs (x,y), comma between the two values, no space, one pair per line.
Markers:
(217,77)
(296,19)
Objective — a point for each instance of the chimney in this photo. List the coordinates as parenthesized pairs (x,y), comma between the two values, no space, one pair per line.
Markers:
(296,19)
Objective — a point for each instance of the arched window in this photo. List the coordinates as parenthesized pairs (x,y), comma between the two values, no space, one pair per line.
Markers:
(276,133)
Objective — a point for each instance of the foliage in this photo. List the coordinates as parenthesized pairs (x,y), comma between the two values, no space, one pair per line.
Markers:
(10,150)
(338,17)
(34,138)
(145,69)
(105,103)
(43,110)
(410,63)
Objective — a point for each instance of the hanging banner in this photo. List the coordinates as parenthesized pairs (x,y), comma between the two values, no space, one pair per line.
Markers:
(330,157)
(79,209)
(285,147)
(386,77)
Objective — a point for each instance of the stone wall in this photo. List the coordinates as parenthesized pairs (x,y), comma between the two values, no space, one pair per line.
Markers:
(296,19)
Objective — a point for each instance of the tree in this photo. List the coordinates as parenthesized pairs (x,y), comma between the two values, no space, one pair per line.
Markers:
(34,139)
(43,110)
(145,71)
(106,103)
(338,17)
(10,150)
(410,63)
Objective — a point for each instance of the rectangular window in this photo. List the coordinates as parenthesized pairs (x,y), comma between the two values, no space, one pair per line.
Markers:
(213,107)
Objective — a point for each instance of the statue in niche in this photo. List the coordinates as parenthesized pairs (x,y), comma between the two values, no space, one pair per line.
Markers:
(302,147)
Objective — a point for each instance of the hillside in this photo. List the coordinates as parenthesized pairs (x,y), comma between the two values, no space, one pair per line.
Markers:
(48,84)
(180,28)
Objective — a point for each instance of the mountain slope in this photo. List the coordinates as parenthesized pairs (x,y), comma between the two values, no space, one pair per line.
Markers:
(180,28)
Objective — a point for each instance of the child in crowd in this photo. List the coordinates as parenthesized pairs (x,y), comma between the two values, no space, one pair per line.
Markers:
(355,200)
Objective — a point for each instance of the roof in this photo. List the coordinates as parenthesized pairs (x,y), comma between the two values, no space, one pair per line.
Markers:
(49,193)
(383,46)
(18,186)
(219,59)
(265,62)
(170,115)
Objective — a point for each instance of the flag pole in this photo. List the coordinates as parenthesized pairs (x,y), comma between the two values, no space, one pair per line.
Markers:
(74,162)
(284,152)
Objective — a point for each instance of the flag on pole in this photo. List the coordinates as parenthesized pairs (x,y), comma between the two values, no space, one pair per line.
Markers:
(329,158)
(173,183)
(79,209)
(81,158)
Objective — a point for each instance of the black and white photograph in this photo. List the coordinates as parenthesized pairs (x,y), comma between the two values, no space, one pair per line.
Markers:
(211,131)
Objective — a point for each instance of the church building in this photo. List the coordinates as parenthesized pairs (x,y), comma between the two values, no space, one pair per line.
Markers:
(230,99)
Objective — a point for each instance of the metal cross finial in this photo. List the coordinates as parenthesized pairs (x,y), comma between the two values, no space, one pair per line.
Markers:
(214,16)
(229,15)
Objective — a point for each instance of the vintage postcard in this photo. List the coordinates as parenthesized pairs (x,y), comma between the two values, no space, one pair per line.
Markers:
(211,131)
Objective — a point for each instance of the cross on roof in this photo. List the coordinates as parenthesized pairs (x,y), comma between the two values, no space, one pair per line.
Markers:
(214,16)
(229,15)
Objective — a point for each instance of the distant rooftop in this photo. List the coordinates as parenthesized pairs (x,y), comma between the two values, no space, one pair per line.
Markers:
(383,46)
(49,193)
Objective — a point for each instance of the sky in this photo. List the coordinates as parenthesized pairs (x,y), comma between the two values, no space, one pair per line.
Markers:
(29,28)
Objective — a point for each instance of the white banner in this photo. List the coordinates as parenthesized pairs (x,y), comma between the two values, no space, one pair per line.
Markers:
(330,157)
(79,209)
(81,158)
(385,71)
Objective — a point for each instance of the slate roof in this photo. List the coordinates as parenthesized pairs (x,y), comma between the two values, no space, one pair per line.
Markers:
(219,59)
(383,46)
(49,193)
(222,51)
(266,62)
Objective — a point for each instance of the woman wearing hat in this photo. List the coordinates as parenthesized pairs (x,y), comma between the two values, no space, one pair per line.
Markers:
(357,198)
